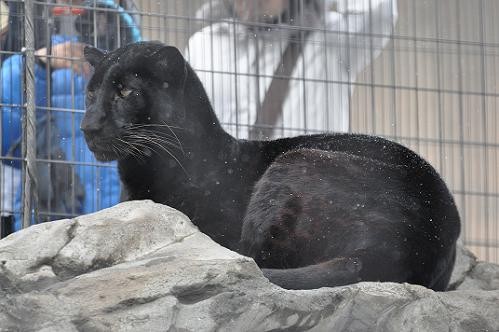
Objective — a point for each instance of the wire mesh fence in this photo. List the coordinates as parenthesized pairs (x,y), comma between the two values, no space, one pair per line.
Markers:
(422,73)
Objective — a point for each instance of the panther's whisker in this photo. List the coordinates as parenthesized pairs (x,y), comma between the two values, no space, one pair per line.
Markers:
(124,149)
(116,150)
(128,144)
(147,139)
(154,125)
(131,150)
(162,140)
(162,135)
(170,128)
(140,127)
(156,134)
(162,132)
(141,142)
(144,145)
(157,139)
(151,132)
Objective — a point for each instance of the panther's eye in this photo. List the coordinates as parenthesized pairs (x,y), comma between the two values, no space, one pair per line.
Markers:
(123,91)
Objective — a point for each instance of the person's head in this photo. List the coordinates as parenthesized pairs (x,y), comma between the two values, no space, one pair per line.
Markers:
(70,2)
(270,11)
(104,25)
(259,9)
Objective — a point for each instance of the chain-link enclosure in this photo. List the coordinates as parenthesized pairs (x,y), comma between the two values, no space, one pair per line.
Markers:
(422,73)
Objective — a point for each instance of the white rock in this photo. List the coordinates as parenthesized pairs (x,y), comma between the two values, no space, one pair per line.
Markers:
(142,266)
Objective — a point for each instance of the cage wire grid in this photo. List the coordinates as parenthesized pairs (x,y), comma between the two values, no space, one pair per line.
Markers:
(428,81)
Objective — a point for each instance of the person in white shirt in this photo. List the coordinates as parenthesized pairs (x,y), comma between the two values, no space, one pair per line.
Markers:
(237,57)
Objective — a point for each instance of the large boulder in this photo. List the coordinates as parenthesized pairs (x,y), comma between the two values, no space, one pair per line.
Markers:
(142,266)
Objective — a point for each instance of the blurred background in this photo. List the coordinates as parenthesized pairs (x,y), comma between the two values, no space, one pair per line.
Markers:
(425,76)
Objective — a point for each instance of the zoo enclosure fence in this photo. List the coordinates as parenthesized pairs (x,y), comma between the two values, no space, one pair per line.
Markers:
(433,89)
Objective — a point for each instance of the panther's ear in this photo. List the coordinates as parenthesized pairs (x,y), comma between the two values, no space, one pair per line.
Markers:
(93,55)
(171,65)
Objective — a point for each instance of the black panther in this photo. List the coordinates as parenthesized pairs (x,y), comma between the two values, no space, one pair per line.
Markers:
(313,211)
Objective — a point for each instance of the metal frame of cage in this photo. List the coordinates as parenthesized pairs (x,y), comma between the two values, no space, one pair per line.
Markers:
(433,89)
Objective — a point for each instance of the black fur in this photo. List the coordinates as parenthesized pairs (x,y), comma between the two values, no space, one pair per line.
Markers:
(313,211)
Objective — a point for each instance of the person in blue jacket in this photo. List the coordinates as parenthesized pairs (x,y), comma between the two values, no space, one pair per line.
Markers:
(79,184)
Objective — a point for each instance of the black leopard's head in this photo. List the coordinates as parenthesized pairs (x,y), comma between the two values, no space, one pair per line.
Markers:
(134,100)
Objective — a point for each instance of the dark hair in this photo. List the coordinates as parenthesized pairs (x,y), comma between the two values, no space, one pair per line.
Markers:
(14,39)
(109,22)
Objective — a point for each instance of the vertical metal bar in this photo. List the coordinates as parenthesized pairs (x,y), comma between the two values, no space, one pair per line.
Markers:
(29,124)
(302,47)
(236,94)
(371,67)
(189,13)
(212,55)
(94,8)
(439,87)
(259,100)
(73,136)
(284,35)
(2,168)
(461,120)
(349,68)
(326,83)
(118,29)
(416,71)
(177,21)
(162,21)
(95,173)
(393,76)
(48,31)
(484,127)
(496,137)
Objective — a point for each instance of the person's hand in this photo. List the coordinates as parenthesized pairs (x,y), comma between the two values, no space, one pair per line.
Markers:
(66,55)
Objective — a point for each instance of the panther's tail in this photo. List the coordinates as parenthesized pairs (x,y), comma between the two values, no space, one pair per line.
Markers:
(336,272)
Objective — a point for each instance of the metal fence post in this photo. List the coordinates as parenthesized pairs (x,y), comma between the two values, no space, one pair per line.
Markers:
(29,123)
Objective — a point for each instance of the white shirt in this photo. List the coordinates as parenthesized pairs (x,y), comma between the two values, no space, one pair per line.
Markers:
(236,67)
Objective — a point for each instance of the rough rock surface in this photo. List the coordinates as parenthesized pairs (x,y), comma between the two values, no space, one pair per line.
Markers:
(142,266)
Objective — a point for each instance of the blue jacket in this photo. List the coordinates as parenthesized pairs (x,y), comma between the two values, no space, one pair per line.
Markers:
(101,183)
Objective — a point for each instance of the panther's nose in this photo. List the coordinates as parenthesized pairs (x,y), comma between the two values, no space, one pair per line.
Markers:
(90,124)
(89,128)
